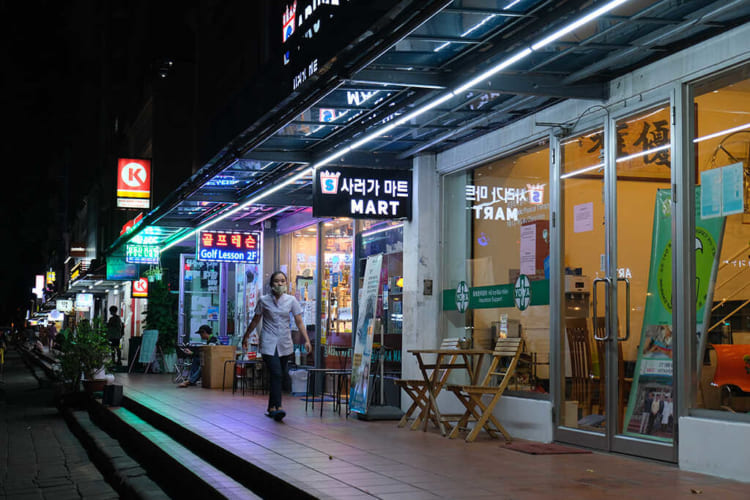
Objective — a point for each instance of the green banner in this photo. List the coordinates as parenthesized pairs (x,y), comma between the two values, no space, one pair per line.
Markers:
(650,405)
(496,296)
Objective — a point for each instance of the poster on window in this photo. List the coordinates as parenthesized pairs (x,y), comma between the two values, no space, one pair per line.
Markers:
(650,410)
(365,331)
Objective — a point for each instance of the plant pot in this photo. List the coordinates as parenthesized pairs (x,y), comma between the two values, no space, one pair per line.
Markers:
(95,385)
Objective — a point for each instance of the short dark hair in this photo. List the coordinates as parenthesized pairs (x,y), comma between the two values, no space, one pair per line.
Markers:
(112,309)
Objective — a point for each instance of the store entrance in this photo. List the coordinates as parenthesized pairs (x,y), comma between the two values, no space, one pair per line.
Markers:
(615,360)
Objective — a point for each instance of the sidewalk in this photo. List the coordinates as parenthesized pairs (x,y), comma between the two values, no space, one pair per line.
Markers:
(335,457)
(39,456)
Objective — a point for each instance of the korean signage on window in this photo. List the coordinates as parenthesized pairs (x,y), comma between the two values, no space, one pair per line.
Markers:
(224,246)
(141,254)
(362,193)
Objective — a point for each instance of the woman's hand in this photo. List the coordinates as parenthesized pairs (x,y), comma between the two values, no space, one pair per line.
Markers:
(308,346)
(244,343)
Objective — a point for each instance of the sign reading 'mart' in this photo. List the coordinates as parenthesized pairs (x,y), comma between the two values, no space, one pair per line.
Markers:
(362,193)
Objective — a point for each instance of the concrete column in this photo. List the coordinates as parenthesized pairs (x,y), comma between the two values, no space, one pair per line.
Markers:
(422,262)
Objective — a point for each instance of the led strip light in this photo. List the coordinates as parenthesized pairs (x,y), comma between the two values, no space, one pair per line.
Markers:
(609,6)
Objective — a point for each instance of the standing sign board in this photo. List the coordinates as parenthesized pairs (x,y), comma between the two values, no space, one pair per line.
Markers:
(362,355)
(362,193)
(133,183)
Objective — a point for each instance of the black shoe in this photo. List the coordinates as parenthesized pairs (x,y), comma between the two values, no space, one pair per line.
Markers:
(279,415)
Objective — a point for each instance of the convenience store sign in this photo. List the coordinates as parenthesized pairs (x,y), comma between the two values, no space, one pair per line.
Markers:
(496,296)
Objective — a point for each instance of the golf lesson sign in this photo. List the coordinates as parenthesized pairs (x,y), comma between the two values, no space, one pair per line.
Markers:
(222,246)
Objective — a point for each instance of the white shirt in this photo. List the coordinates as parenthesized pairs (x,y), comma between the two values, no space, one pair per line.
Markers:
(276,333)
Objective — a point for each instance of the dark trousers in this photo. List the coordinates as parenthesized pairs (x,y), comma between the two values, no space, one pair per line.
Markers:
(116,352)
(277,367)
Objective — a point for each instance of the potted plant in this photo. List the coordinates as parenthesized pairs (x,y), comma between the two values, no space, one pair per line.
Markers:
(85,356)
(161,315)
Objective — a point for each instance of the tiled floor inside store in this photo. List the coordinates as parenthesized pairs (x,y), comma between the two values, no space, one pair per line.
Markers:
(337,457)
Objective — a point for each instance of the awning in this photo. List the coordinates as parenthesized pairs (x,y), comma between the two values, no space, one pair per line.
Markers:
(459,73)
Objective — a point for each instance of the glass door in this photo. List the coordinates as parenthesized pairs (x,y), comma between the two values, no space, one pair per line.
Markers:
(616,377)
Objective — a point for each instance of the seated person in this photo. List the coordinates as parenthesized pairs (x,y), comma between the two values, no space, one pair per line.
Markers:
(195,368)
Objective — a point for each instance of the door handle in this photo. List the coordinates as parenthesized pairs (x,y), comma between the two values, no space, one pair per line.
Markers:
(593,315)
(627,307)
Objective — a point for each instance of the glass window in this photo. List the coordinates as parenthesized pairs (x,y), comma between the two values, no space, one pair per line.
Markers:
(298,258)
(336,292)
(496,258)
(722,258)
(387,238)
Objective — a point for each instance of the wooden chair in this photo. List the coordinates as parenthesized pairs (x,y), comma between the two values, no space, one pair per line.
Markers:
(504,361)
(582,376)
(416,389)
(600,331)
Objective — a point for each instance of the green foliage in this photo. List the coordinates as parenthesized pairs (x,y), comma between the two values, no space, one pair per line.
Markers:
(85,352)
(162,315)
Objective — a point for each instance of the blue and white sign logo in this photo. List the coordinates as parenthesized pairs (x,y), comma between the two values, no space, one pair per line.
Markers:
(462,297)
(522,292)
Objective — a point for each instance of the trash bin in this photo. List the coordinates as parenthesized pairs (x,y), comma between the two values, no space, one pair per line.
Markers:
(299,382)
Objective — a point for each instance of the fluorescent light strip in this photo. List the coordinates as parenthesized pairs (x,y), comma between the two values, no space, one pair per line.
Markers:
(643,153)
(581,171)
(445,97)
(290,180)
(577,24)
(722,132)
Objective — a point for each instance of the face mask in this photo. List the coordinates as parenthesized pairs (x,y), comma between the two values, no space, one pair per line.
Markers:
(279,289)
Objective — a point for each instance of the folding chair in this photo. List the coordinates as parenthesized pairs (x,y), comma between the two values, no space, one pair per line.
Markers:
(416,389)
(507,351)
(182,366)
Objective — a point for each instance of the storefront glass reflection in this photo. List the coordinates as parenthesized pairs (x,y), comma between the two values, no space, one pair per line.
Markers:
(722,144)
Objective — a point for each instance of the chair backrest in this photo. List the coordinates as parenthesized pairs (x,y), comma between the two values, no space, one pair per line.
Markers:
(577,332)
(600,331)
(504,360)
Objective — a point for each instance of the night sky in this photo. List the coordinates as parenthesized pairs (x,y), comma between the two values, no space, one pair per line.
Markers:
(40,102)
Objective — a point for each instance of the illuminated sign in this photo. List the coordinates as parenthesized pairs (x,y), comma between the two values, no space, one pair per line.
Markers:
(131,223)
(222,246)
(362,193)
(65,306)
(141,254)
(140,289)
(51,277)
(133,183)
(38,290)
(84,301)
(504,203)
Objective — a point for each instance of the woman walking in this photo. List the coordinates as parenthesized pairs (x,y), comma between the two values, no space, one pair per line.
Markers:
(276,344)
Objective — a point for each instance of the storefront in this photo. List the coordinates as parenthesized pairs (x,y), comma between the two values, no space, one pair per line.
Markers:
(603,223)
(631,303)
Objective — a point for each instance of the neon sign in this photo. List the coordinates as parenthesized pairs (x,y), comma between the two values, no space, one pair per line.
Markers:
(141,254)
(223,246)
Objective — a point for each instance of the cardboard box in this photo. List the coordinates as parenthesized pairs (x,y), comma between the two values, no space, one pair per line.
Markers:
(213,358)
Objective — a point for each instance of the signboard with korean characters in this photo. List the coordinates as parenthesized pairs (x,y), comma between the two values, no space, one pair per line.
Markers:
(226,246)
(362,193)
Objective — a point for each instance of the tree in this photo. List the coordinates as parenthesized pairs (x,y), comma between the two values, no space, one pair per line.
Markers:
(161,315)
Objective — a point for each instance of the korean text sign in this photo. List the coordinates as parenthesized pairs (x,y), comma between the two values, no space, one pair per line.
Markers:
(223,246)
(362,193)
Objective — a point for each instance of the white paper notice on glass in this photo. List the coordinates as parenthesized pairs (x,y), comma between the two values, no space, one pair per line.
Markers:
(711,193)
(528,249)
(583,217)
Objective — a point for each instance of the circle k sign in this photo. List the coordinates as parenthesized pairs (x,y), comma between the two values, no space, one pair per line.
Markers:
(133,178)
(140,288)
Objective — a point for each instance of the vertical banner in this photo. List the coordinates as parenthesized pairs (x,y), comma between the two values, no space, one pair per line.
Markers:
(650,405)
(366,323)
